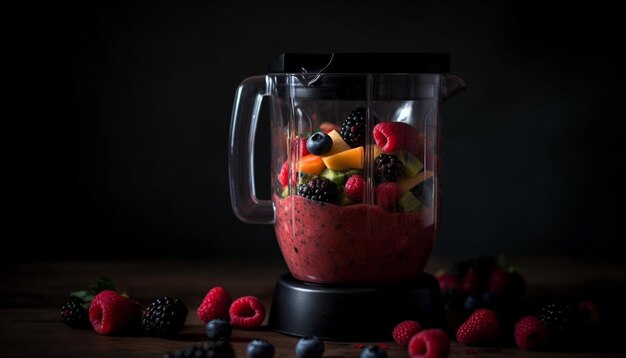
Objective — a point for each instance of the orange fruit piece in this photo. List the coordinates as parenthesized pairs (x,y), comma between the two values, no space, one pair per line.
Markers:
(311,164)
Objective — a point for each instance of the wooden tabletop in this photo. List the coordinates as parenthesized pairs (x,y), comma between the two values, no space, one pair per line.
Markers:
(31,294)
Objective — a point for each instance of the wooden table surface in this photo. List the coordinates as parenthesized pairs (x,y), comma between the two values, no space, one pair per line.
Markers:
(31,294)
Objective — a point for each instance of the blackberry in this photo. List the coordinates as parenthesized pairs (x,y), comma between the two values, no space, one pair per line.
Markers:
(387,168)
(217,349)
(164,317)
(319,189)
(74,314)
(353,128)
(561,319)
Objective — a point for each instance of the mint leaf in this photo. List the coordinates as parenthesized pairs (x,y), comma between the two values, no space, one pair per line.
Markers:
(83,295)
(102,283)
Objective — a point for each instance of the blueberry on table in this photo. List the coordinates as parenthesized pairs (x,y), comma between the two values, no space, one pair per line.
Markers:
(309,347)
(373,352)
(218,329)
(260,348)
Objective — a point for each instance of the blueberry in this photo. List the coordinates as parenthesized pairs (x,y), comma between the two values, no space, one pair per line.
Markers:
(260,348)
(218,329)
(309,347)
(319,143)
(471,303)
(373,352)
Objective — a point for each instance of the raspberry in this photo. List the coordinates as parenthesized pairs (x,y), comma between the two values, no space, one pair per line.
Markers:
(499,281)
(215,305)
(404,331)
(302,149)
(448,281)
(111,312)
(530,333)
(429,343)
(481,327)
(247,312)
(589,313)
(387,195)
(354,188)
(283,177)
(391,136)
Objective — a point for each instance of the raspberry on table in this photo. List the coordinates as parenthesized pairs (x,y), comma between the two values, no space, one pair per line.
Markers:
(164,317)
(215,305)
(429,343)
(111,312)
(247,312)
(404,331)
(530,333)
(480,328)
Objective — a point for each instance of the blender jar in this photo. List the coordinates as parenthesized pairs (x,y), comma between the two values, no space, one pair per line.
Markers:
(355,162)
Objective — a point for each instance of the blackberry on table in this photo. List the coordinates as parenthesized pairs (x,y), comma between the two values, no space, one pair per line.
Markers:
(387,168)
(353,127)
(164,317)
(561,319)
(74,314)
(213,349)
(319,189)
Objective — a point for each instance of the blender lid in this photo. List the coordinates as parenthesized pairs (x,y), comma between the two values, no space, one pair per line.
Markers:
(361,63)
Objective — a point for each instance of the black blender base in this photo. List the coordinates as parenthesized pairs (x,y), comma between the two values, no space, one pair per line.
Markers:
(354,313)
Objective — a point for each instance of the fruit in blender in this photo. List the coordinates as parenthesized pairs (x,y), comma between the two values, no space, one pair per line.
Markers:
(319,143)
(348,159)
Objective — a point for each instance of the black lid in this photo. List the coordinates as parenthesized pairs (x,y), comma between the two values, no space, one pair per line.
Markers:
(361,63)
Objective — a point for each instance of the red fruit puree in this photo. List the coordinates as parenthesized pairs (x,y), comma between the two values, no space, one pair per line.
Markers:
(330,244)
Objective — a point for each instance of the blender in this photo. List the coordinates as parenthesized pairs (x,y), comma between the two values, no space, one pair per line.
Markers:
(355,155)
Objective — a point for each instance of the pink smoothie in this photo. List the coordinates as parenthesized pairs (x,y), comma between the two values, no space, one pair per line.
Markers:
(330,244)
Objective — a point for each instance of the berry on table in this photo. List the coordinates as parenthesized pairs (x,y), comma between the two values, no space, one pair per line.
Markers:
(164,317)
(260,348)
(561,319)
(480,328)
(530,333)
(429,343)
(373,351)
(353,127)
(319,143)
(217,329)
(403,332)
(74,314)
(215,305)
(319,189)
(111,312)
(217,349)
(309,347)
(589,312)
(247,312)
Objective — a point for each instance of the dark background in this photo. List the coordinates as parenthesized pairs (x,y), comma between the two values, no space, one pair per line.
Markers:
(125,109)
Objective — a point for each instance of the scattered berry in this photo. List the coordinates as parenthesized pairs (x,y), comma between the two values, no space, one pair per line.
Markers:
(111,312)
(481,327)
(471,303)
(589,313)
(218,329)
(530,333)
(561,319)
(247,312)
(403,332)
(470,282)
(217,349)
(319,189)
(354,188)
(74,314)
(448,281)
(387,195)
(309,347)
(429,343)
(499,282)
(387,168)
(391,136)
(353,128)
(319,143)
(215,305)
(260,348)
(164,317)
(373,351)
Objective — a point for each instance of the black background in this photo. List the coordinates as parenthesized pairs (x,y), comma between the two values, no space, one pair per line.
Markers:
(123,110)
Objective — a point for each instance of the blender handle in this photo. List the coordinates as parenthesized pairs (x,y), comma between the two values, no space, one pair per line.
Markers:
(243,124)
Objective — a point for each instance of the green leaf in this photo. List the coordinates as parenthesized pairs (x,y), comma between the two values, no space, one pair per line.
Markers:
(102,283)
(83,295)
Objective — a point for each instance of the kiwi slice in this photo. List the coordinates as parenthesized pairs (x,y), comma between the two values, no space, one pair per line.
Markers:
(409,203)
(344,200)
(412,165)
(351,172)
(304,178)
(338,177)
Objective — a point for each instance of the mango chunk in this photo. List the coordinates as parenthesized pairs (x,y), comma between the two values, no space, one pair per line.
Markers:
(311,164)
(407,184)
(339,145)
(348,159)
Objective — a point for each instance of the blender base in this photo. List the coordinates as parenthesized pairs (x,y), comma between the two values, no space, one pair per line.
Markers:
(354,313)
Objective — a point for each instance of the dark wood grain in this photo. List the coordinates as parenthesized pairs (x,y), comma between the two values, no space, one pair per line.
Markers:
(30,294)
